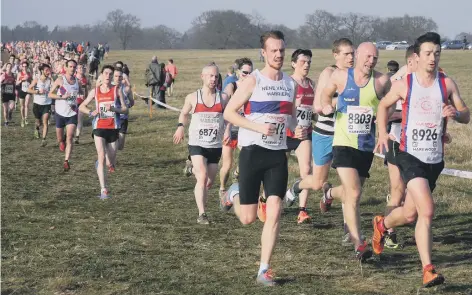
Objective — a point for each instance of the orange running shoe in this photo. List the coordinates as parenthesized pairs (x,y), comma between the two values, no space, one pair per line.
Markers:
(303,217)
(431,277)
(378,236)
(66,166)
(261,209)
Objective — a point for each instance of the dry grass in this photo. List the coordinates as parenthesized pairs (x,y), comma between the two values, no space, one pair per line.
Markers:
(58,238)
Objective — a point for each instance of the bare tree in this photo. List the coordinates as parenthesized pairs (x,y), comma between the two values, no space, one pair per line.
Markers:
(357,27)
(124,25)
(319,30)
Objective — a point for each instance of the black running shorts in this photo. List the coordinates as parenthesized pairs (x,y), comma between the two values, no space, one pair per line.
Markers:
(348,157)
(213,155)
(260,165)
(411,167)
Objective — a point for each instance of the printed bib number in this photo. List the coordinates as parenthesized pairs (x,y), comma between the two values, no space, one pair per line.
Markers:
(279,135)
(208,134)
(304,114)
(359,120)
(24,86)
(9,89)
(104,114)
(209,126)
(424,139)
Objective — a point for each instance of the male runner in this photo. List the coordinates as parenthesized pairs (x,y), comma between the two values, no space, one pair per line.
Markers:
(304,97)
(65,90)
(128,97)
(106,122)
(323,132)
(360,89)
(244,69)
(7,80)
(41,102)
(206,132)
(268,100)
(428,98)
(23,81)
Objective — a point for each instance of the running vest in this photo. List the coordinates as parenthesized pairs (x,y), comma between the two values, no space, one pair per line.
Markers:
(126,99)
(67,107)
(42,99)
(106,119)
(24,84)
(423,126)
(324,124)
(207,124)
(83,88)
(234,128)
(355,115)
(304,101)
(8,85)
(270,102)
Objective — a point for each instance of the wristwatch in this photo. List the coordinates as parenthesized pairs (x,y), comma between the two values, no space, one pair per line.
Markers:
(180,124)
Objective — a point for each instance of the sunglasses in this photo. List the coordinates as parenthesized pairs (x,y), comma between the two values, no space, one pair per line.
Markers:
(245,72)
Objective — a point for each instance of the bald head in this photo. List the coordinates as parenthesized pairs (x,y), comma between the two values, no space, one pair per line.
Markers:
(210,76)
(210,69)
(366,57)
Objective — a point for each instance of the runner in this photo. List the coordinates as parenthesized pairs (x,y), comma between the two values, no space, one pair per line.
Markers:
(354,133)
(267,97)
(429,98)
(205,134)
(322,136)
(128,98)
(23,81)
(83,84)
(397,186)
(106,122)
(41,102)
(65,90)
(244,70)
(8,93)
(305,94)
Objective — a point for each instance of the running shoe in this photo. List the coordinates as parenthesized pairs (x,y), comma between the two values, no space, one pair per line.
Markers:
(26,122)
(66,166)
(76,140)
(104,194)
(325,202)
(291,196)
(431,277)
(378,236)
(363,252)
(391,242)
(303,217)
(22,123)
(188,168)
(203,219)
(43,142)
(36,133)
(62,146)
(111,168)
(266,278)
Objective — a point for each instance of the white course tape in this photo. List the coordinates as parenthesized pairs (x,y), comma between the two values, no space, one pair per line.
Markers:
(159,103)
(446,171)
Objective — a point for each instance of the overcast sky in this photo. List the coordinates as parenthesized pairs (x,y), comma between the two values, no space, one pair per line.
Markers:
(452,17)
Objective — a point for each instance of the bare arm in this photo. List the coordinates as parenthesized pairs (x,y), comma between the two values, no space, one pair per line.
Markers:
(123,109)
(463,115)
(53,91)
(399,74)
(31,87)
(83,106)
(328,92)
(229,89)
(322,82)
(186,109)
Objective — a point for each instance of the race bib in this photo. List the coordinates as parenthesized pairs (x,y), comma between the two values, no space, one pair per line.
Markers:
(359,120)
(304,113)
(9,89)
(24,86)
(424,137)
(209,125)
(277,139)
(104,114)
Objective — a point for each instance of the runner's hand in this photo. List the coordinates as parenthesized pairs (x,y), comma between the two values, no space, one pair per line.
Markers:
(327,109)
(179,135)
(448,111)
(267,129)
(447,138)
(300,133)
(382,143)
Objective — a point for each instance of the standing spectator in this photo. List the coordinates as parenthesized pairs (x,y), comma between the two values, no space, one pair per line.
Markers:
(464,43)
(161,96)
(172,70)
(153,77)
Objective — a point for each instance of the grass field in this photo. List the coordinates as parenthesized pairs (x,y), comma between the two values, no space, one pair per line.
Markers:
(59,238)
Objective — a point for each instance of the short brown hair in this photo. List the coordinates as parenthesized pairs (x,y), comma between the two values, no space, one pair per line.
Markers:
(340,42)
(271,34)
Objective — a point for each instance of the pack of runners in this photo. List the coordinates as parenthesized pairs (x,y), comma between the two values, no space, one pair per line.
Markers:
(265,115)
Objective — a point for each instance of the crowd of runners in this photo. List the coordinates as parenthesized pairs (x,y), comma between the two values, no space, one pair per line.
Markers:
(265,115)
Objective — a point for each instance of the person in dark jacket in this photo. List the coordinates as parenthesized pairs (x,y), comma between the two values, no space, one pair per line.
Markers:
(153,77)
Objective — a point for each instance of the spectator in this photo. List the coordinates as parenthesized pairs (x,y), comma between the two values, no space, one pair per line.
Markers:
(172,70)
(153,77)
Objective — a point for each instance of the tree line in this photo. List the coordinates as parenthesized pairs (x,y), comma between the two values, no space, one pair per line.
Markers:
(229,29)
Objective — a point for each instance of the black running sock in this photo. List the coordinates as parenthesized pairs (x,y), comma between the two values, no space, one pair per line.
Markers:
(301,209)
